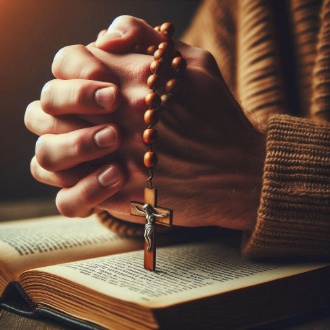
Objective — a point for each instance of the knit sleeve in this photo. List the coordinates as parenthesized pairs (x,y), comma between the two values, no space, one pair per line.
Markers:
(294,213)
(213,28)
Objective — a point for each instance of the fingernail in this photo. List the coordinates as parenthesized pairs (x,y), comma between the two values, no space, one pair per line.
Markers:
(105,97)
(109,36)
(109,177)
(106,138)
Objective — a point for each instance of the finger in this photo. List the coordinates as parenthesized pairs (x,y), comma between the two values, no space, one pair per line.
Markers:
(125,33)
(102,33)
(64,151)
(82,199)
(39,122)
(78,96)
(74,62)
(198,58)
(62,179)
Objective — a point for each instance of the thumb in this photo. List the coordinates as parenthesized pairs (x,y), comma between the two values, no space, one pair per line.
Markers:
(125,33)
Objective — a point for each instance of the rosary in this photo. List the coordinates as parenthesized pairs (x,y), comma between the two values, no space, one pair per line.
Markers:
(170,62)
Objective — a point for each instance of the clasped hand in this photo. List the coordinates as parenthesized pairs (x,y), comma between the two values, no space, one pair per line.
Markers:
(90,123)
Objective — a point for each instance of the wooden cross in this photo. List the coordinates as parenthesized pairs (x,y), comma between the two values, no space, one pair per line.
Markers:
(154,215)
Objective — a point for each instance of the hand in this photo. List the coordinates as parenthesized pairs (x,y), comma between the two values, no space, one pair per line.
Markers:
(210,156)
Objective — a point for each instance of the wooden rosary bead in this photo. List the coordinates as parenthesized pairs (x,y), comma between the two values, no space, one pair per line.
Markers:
(168,46)
(151,117)
(173,86)
(149,136)
(167,29)
(154,81)
(153,100)
(151,49)
(166,98)
(179,64)
(158,67)
(150,159)
(160,54)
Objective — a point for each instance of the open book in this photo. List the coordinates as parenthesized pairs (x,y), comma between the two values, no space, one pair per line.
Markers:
(78,271)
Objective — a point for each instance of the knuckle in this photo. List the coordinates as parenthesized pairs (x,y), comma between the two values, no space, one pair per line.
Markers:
(67,60)
(42,159)
(65,207)
(46,98)
(123,19)
(79,146)
(43,156)
(206,57)
(69,208)
(34,168)
(28,116)
(59,59)
(134,26)
(207,54)
(127,23)
(91,70)
(78,95)
(208,62)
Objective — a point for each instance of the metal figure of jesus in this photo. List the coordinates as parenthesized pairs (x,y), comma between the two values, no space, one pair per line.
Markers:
(154,215)
(150,225)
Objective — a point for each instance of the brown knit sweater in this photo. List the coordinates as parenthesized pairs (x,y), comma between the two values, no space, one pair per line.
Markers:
(275,57)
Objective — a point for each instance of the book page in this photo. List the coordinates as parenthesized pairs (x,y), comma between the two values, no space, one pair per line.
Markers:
(46,241)
(184,273)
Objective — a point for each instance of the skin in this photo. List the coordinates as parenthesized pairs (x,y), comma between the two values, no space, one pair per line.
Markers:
(210,156)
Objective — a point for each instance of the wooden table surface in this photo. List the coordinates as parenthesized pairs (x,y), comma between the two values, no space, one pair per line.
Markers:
(319,320)
(316,321)
(10,321)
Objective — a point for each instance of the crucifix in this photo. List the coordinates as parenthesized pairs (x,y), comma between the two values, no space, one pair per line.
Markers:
(168,63)
(154,215)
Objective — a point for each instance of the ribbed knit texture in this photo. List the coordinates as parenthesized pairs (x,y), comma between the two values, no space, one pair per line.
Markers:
(242,35)
(320,108)
(294,214)
(219,24)
(260,80)
(305,21)
(121,227)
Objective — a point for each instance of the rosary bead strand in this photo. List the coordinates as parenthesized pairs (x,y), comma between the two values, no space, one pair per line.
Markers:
(166,60)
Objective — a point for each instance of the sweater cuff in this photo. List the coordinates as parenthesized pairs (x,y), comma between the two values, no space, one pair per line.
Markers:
(294,213)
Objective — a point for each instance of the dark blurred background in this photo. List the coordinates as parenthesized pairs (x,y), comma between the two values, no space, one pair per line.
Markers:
(31,32)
